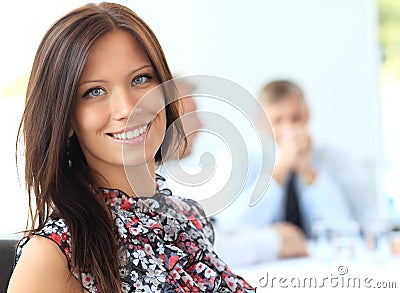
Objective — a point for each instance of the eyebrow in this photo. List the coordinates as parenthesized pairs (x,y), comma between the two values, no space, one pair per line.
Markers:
(102,80)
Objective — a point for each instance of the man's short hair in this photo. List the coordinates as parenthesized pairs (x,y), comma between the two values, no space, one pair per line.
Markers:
(278,90)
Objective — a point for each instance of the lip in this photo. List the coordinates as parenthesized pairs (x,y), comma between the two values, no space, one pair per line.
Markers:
(133,141)
(130,128)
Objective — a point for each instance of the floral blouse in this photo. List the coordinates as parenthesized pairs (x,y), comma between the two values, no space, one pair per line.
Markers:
(167,245)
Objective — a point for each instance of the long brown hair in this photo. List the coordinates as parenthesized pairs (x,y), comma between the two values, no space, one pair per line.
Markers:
(44,127)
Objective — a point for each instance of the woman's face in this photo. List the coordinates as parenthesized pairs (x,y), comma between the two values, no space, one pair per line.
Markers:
(117,75)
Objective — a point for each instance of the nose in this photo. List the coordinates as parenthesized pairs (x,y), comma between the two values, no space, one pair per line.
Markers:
(122,103)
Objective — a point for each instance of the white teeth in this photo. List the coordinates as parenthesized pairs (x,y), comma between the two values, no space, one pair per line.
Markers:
(131,133)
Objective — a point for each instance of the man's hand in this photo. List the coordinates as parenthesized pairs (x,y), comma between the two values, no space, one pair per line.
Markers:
(295,153)
(293,240)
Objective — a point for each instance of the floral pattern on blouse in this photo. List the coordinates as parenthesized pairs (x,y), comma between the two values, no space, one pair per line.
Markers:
(167,246)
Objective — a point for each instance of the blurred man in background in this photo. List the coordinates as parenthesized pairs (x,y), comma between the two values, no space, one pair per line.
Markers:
(302,190)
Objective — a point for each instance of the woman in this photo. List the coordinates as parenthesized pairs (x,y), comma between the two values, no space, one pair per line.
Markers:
(95,229)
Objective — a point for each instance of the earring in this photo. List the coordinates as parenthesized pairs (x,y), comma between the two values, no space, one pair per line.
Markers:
(68,153)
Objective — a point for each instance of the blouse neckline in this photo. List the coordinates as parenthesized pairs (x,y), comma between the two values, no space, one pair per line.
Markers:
(117,198)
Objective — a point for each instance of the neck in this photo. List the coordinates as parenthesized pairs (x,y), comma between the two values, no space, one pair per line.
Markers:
(142,179)
(136,181)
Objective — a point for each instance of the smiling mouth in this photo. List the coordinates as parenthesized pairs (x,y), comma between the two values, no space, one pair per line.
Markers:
(130,134)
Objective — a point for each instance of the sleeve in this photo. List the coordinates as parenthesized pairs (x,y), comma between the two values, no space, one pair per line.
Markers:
(56,230)
(356,178)
(324,201)
(240,215)
(248,246)
(195,214)
(243,230)
(207,225)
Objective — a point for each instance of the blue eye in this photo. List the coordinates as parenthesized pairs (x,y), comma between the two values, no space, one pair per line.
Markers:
(94,93)
(141,79)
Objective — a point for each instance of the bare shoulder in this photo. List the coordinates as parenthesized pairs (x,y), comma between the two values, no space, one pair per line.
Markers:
(43,268)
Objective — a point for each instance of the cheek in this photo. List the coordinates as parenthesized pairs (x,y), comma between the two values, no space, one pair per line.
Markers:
(155,137)
(160,124)
(157,132)
(87,121)
(301,123)
(277,129)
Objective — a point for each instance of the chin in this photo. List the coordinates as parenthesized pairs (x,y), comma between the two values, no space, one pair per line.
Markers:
(135,159)
(135,162)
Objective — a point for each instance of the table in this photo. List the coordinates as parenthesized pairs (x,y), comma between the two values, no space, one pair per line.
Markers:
(311,274)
